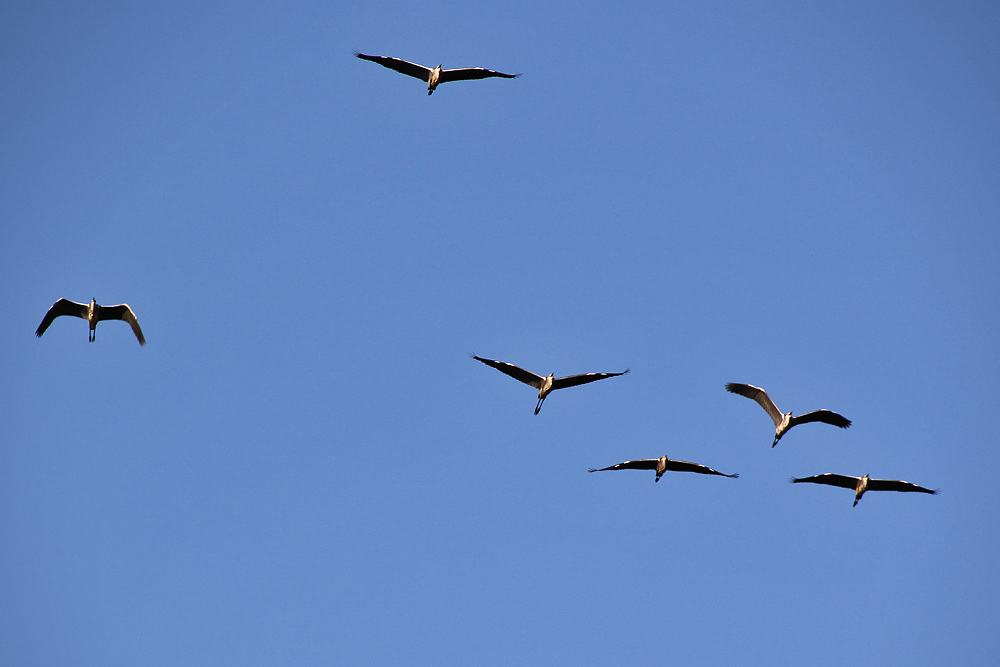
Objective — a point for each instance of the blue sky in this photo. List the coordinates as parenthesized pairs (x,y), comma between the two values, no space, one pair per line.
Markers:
(303,466)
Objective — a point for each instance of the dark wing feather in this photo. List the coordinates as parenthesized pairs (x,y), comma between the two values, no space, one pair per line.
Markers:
(896,485)
(122,312)
(59,308)
(686,466)
(825,416)
(573,380)
(844,481)
(759,395)
(472,73)
(401,66)
(641,464)
(527,377)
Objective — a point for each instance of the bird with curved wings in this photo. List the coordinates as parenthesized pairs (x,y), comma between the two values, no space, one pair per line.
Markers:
(434,76)
(545,385)
(783,422)
(663,464)
(862,484)
(93,313)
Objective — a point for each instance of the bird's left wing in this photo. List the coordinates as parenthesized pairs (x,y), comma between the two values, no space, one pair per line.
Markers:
(573,380)
(641,464)
(825,416)
(472,73)
(686,466)
(896,485)
(122,312)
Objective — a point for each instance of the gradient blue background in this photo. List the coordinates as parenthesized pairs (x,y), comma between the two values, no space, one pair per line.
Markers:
(304,467)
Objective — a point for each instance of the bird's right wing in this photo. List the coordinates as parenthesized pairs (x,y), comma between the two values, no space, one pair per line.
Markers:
(527,377)
(641,464)
(830,478)
(759,395)
(401,66)
(59,308)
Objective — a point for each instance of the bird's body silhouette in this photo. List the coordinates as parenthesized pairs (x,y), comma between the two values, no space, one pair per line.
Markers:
(93,313)
(434,76)
(545,385)
(785,421)
(862,484)
(663,464)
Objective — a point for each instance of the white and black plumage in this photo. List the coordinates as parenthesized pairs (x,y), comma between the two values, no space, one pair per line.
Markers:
(783,422)
(545,385)
(434,76)
(663,464)
(862,484)
(93,313)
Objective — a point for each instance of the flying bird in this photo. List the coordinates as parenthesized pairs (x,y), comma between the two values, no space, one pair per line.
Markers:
(862,484)
(545,385)
(93,313)
(434,76)
(663,464)
(783,422)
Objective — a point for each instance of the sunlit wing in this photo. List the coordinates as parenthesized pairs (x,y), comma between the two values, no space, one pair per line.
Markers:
(122,312)
(759,395)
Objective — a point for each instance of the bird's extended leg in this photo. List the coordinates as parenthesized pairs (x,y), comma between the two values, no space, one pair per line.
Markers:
(539,406)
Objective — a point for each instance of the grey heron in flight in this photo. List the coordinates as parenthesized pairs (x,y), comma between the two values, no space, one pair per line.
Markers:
(93,313)
(862,484)
(783,422)
(663,464)
(434,76)
(545,385)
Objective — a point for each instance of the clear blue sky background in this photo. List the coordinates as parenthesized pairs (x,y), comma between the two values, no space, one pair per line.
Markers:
(303,466)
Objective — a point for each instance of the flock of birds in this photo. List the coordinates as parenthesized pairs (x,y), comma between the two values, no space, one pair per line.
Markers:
(782,423)
(94,313)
